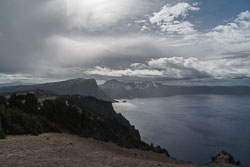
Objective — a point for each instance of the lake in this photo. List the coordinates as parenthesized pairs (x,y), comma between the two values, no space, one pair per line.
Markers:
(193,127)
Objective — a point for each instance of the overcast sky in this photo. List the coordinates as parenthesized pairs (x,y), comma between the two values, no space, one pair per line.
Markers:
(45,40)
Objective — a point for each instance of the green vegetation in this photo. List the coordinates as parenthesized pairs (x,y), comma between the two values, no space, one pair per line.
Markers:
(22,114)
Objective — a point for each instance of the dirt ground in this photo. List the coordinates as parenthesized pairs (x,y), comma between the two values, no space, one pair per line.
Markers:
(52,150)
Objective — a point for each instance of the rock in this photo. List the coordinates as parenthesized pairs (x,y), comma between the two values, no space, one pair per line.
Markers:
(224,157)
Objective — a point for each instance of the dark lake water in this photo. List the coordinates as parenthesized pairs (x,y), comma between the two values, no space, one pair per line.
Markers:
(193,127)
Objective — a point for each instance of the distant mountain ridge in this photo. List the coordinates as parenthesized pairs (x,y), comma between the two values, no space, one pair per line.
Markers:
(118,90)
(114,89)
(81,86)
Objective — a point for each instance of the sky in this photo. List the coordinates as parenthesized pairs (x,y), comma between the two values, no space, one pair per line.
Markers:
(51,40)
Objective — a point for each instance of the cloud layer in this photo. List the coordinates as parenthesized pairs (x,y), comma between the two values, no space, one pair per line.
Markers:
(235,35)
(57,39)
(182,68)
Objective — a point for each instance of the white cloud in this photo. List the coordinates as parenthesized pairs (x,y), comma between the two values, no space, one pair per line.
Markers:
(170,13)
(180,67)
(235,35)
(105,71)
(144,28)
(178,27)
(190,67)
(168,18)
(243,16)
(140,21)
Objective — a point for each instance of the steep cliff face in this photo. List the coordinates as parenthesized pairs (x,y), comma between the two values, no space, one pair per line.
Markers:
(101,108)
(84,87)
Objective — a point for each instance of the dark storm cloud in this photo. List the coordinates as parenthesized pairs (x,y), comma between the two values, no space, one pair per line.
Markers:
(34,35)
(25,26)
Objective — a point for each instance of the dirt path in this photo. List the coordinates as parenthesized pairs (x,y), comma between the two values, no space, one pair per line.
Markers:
(68,150)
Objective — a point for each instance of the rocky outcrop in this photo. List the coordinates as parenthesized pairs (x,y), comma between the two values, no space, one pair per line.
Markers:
(224,159)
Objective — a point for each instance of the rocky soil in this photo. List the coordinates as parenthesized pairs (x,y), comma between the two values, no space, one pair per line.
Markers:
(53,149)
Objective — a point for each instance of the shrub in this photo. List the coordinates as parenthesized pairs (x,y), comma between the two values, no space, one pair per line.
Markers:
(16,122)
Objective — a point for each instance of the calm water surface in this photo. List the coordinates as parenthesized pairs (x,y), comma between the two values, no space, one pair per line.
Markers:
(193,127)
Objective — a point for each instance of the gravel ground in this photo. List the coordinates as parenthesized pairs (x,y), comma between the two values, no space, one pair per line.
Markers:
(52,150)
